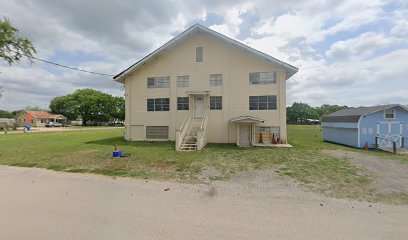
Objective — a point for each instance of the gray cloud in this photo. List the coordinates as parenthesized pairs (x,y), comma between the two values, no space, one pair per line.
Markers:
(123,31)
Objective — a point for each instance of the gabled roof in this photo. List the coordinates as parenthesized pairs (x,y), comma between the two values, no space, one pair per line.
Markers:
(354,114)
(290,70)
(47,115)
(246,119)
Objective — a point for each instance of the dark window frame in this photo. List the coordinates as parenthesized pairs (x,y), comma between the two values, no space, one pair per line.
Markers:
(215,102)
(158,104)
(183,103)
(266,102)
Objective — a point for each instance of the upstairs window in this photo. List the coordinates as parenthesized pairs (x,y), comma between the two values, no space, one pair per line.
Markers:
(262,102)
(216,102)
(182,103)
(199,54)
(158,104)
(262,77)
(389,113)
(216,80)
(158,82)
(183,81)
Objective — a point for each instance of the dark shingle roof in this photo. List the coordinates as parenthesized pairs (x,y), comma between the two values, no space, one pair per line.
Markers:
(354,114)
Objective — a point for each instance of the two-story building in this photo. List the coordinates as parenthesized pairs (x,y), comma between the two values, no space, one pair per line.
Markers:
(204,87)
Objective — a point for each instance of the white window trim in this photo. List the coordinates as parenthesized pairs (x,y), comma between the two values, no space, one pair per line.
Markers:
(394,113)
(202,54)
(186,79)
(212,80)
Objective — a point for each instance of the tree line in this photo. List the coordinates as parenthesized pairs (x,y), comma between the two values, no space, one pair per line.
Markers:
(87,104)
(301,113)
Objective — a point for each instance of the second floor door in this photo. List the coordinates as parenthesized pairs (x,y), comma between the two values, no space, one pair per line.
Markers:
(198,107)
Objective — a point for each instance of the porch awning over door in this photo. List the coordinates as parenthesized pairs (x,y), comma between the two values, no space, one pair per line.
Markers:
(246,119)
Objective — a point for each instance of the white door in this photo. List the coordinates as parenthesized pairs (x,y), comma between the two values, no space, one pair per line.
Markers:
(199,107)
(389,132)
(244,135)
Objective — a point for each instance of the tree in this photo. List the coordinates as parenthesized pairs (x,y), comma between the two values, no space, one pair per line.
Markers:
(326,109)
(118,112)
(65,105)
(90,104)
(6,114)
(13,47)
(300,112)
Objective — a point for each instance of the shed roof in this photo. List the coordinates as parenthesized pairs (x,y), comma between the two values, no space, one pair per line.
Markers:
(354,114)
(290,70)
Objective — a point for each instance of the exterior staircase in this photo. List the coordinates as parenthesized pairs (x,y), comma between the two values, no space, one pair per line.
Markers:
(189,142)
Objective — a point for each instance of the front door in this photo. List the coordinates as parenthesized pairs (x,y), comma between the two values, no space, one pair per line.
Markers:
(198,107)
(244,135)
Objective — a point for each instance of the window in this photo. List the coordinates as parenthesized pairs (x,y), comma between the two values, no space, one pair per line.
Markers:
(262,78)
(215,79)
(158,104)
(182,103)
(262,102)
(268,133)
(216,102)
(158,82)
(183,81)
(199,54)
(157,132)
(389,113)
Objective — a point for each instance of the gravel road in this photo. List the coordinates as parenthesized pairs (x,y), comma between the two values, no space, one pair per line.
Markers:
(42,204)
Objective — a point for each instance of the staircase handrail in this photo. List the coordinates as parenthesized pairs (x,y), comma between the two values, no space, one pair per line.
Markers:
(202,134)
(181,132)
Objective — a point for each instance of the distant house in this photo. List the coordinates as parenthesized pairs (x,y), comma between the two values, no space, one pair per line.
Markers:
(39,118)
(204,87)
(357,127)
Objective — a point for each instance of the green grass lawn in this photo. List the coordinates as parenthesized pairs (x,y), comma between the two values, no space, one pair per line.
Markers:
(90,151)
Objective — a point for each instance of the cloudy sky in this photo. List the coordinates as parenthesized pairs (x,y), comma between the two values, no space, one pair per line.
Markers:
(348,52)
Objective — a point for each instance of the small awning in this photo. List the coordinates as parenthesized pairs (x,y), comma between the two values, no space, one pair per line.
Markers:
(249,119)
(203,92)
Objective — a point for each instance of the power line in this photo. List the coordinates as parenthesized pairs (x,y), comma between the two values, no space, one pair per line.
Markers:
(65,66)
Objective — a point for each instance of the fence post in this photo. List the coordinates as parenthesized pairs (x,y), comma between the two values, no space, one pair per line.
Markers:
(394,147)
(376,142)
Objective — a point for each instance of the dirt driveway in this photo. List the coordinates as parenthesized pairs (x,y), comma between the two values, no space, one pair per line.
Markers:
(390,176)
(42,204)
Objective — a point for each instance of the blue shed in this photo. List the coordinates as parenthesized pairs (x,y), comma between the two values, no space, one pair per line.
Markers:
(357,126)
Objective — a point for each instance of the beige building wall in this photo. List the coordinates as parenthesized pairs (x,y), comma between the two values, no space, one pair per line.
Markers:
(220,57)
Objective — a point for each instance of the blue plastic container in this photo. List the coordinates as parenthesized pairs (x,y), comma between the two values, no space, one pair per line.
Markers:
(117,154)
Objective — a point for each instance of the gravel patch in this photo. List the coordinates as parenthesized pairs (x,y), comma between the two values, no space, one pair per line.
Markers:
(390,175)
